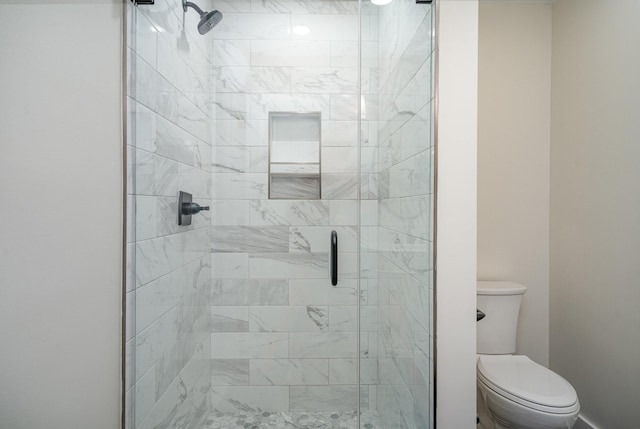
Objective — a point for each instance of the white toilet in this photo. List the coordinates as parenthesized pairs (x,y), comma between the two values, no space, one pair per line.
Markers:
(514,391)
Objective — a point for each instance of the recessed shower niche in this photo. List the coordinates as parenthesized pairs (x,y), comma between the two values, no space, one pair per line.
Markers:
(294,155)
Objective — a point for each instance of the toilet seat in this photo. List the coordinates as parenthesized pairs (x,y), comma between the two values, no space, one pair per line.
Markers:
(524,382)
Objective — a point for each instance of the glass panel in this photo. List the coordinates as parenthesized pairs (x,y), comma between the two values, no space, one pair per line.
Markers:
(285,79)
(170,150)
(395,208)
(233,321)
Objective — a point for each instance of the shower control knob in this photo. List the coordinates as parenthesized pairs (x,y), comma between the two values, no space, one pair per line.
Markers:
(192,208)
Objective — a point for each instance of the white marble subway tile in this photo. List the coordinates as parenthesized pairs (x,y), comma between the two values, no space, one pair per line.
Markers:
(230,265)
(368,318)
(317,239)
(369,160)
(230,212)
(345,7)
(412,293)
(174,143)
(231,106)
(248,239)
(243,345)
(343,318)
(410,177)
(146,43)
(155,175)
(344,53)
(412,138)
(259,160)
(177,69)
(321,292)
(343,212)
(145,218)
(396,75)
(324,398)
(400,108)
(159,95)
(253,26)
(232,5)
(409,215)
(339,133)
(195,181)
(230,159)
(288,372)
(283,53)
(326,27)
(339,160)
(279,265)
(323,344)
(230,52)
(145,394)
(295,151)
(343,371)
(289,212)
(369,213)
(369,104)
(291,6)
(155,340)
(156,257)
(368,265)
(243,399)
(253,79)
(157,297)
(229,319)
(241,133)
(324,80)
(344,107)
(262,104)
(249,292)
(294,187)
(288,319)
(339,186)
(230,372)
(239,186)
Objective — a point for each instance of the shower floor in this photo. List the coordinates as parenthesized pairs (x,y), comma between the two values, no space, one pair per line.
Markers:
(291,420)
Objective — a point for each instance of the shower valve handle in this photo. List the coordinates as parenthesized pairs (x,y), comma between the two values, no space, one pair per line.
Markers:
(192,208)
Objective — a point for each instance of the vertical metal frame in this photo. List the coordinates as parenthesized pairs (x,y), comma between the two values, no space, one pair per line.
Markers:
(434,279)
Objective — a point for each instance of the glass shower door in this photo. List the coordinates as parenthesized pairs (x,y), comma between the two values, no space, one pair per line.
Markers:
(285,92)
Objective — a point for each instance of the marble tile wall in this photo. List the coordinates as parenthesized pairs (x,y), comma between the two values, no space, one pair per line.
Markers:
(405,195)
(169,266)
(283,338)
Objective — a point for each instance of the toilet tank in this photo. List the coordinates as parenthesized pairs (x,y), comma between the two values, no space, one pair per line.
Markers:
(500,301)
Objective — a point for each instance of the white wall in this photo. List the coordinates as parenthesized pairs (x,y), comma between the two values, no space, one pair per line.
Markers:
(61,215)
(595,206)
(456,213)
(513,159)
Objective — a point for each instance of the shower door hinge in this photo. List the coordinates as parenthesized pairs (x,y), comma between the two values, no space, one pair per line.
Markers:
(137,2)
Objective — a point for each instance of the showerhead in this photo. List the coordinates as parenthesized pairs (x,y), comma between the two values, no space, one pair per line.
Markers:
(208,20)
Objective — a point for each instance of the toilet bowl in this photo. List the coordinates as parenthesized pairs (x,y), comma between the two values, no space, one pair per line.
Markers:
(513,390)
(519,393)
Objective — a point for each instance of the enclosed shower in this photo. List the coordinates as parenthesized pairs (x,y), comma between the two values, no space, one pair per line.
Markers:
(280,214)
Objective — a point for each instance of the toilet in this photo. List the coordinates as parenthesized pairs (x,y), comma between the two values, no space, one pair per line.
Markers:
(514,391)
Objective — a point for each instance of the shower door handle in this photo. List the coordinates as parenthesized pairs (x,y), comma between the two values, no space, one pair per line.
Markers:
(334,258)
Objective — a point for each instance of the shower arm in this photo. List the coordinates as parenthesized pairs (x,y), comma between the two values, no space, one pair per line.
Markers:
(187,4)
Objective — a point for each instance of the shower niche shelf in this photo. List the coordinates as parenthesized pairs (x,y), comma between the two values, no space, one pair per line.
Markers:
(294,155)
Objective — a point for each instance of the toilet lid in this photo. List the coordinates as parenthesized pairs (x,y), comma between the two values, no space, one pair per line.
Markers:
(526,382)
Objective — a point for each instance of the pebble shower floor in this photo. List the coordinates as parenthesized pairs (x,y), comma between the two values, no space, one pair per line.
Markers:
(291,420)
